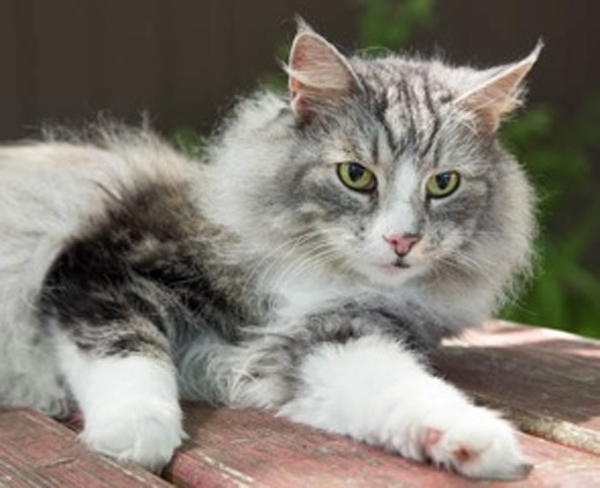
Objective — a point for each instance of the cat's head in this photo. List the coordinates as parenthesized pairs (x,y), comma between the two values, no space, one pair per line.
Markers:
(386,170)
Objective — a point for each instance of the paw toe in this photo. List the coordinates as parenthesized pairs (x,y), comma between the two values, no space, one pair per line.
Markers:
(147,436)
(481,446)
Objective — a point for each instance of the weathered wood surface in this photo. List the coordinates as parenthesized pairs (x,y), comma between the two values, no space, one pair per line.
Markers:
(548,382)
(38,452)
(251,448)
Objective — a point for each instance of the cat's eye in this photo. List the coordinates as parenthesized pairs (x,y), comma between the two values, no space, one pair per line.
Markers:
(356,177)
(443,184)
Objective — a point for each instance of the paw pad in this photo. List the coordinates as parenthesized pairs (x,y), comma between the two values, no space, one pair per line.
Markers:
(464,455)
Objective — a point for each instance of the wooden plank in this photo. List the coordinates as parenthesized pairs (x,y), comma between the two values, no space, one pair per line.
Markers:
(547,381)
(543,378)
(253,448)
(250,447)
(36,451)
(556,466)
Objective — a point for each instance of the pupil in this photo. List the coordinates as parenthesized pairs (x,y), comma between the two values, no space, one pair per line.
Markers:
(356,172)
(443,180)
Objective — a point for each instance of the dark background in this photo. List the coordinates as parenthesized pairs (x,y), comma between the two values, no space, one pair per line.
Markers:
(184,60)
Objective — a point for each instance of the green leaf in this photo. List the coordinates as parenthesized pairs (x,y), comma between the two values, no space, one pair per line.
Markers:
(189,141)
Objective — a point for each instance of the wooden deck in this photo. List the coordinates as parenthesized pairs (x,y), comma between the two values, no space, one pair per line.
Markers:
(547,382)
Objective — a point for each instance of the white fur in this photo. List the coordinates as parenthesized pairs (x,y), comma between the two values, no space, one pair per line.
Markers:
(130,405)
(309,293)
(398,216)
(374,391)
(235,177)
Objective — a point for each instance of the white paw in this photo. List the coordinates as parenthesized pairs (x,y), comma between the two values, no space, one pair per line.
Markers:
(475,442)
(144,432)
(129,405)
(373,391)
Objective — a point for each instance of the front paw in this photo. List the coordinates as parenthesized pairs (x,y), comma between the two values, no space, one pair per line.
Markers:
(144,432)
(475,442)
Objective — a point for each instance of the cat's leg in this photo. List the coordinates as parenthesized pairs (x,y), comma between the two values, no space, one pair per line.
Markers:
(374,390)
(348,371)
(126,388)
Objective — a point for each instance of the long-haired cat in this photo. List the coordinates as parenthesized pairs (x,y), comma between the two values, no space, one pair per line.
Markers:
(329,239)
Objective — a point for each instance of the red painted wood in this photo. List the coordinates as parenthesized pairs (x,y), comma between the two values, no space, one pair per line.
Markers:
(253,448)
(549,380)
(248,447)
(36,451)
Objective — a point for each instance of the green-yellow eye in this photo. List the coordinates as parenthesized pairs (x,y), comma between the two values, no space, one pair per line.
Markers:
(443,184)
(356,177)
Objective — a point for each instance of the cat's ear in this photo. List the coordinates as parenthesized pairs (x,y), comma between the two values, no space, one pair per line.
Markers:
(500,92)
(319,75)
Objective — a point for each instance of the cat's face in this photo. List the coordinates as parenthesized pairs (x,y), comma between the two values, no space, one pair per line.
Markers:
(386,203)
(384,170)
(396,173)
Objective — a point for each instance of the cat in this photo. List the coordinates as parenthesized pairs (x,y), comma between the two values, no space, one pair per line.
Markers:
(323,245)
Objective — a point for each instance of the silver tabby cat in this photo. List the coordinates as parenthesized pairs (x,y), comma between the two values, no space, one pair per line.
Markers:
(329,240)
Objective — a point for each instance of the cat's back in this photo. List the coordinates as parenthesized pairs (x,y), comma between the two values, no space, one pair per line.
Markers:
(51,188)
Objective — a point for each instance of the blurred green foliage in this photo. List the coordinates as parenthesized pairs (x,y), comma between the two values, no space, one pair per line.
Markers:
(557,151)
(390,24)
(190,141)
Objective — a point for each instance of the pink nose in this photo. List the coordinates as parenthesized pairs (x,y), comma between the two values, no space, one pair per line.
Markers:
(401,244)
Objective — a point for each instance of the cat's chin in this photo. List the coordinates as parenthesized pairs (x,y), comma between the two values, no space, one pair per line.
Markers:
(393,274)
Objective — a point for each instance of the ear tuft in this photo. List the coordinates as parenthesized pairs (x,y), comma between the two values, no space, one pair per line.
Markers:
(319,75)
(500,93)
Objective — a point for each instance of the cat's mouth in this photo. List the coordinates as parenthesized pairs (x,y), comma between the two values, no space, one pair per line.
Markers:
(398,270)
(400,263)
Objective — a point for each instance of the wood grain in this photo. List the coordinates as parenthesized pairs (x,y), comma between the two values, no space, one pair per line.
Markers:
(546,381)
(36,451)
(241,448)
